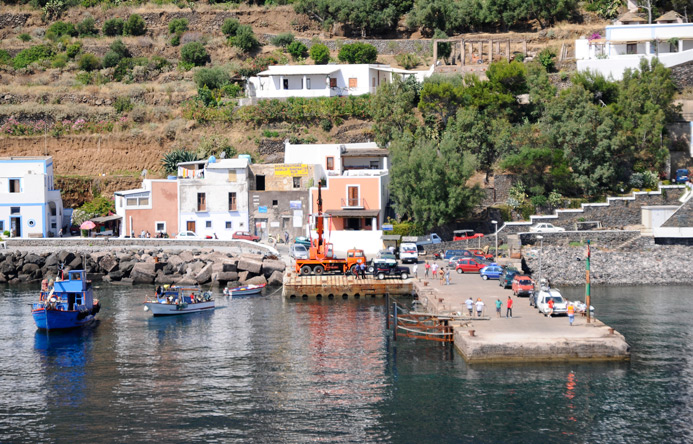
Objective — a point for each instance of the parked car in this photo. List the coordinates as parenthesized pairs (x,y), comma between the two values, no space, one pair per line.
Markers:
(522,285)
(560,306)
(387,267)
(298,251)
(380,262)
(408,252)
(480,253)
(545,228)
(386,254)
(451,253)
(681,176)
(492,271)
(506,278)
(188,235)
(244,235)
(303,241)
(459,235)
(468,265)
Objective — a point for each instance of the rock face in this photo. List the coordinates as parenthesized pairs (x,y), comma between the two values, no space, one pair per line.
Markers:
(189,267)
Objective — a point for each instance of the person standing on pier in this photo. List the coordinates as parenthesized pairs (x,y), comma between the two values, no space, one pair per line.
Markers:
(479,307)
(470,305)
(427,267)
(509,308)
(363,271)
(550,307)
(441,273)
(499,304)
(434,269)
(416,270)
(571,313)
(447,276)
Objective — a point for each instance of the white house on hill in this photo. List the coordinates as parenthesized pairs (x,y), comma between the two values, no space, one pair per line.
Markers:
(632,39)
(283,81)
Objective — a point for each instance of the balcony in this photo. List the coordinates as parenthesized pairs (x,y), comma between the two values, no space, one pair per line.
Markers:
(355,204)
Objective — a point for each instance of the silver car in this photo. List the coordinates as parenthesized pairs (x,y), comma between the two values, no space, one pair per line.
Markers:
(298,251)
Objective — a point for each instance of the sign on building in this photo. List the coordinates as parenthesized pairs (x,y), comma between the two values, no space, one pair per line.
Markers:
(387,227)
(291,170)
(295,204)
(262,209)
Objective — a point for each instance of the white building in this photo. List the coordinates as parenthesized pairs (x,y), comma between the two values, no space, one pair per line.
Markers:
(29,205)
(355,194)
(213,197)
(632,39)
(282,81)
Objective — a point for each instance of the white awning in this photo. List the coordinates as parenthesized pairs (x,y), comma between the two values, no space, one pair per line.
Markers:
(299,70)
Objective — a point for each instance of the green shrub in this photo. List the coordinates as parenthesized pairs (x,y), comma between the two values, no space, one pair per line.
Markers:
(4,57)
(519,57)
(546,58)
(297,50)
(539,201)
(194,53)
(52,9)
(245,39)
(135,25)
(111,59)
(59,61)
(213,78)
(91,78)
(31,55)
(358,53)
(171,159)
(230,26)
(232,90)
(122,104)
(89,62)
(87,28)
(113,27)
(73,50)
(326,125)
(283,40)
(175,40)
(407,60)
(24,37)
(59,29)
(119,48)
(178,25)
(320,54)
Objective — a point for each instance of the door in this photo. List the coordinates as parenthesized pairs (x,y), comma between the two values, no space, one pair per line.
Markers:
(16,226)
(353,196)
(190,226)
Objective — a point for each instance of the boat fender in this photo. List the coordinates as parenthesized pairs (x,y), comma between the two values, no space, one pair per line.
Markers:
(96,308)
(146,308)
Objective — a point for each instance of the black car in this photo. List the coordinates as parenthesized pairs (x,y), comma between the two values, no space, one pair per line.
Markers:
(506,278)
(382,269)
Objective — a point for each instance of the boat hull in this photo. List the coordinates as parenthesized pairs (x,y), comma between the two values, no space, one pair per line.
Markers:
(59,320)
(159,309)
(244,291)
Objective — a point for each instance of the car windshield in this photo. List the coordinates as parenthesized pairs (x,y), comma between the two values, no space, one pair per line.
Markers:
(525,282)
(299,247)
(556,299)
(409,249)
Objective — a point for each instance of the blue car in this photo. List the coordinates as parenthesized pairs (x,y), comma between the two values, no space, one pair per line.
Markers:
(492,271)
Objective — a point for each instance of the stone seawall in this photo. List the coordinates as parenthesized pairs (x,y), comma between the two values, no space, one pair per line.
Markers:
(185,266)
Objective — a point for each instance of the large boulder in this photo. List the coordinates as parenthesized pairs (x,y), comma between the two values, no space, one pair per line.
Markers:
(76,263)
(276,279)
(66,257)
(52,260)
(250,263)
(257,280)
(7,267)
(34,259)
(30,268)
(143,273)
(126,266)
(204,275)
(174,260)
(271,266)
(115,275)
(186,280)
(225,276)
(108,263)
(162,278)
(186,256)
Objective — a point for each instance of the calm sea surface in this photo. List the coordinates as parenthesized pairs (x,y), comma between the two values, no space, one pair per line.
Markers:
(271,370)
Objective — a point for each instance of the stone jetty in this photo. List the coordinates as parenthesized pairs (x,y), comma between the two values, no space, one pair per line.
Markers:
(146,266)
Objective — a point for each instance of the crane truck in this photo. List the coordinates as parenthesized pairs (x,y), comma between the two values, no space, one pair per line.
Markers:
(321,257)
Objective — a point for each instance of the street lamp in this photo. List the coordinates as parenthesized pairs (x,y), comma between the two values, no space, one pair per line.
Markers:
(541,252)
(495,222)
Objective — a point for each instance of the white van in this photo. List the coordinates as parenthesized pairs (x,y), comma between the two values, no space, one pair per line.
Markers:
(408,253)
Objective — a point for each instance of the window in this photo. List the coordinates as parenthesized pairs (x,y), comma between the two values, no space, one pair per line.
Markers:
(54,225)
(333,83)
(144,201)
(308,83)
(32,223)
(232,201)
(232,176)
(330,163)
(160,227)
(353,82)
(208,224)
(131,202)
(229,225)
(260,183)
(275,203)
(14,210)
(14,186)
(353,196)
(632,48)
(137,201)
(297,182)
(285,83)
(375,164)
(201,202)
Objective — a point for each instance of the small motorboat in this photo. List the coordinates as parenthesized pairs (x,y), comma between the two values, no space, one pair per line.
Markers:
(176,300)
(69,304)
(246,290)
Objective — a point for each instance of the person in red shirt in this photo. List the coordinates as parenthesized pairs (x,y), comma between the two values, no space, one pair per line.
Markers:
(509,309)
(550,307)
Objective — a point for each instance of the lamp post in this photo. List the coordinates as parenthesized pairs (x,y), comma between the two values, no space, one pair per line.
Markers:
(495,255)
(587,283)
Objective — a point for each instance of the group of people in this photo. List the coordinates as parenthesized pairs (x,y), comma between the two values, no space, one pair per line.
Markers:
(432,270)
(479,305)
(360,270)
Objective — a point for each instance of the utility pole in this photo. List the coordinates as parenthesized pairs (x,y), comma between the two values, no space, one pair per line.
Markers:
(587,284)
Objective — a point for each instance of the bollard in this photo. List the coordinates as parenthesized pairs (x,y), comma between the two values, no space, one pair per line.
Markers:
(471,333)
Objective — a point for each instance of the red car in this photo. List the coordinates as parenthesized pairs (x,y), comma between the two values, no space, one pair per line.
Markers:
(459,235)
(245,236)
(481,253)
(523,285)
(468,266)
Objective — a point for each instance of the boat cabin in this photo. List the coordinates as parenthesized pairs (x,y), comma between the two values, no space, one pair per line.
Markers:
(73,292)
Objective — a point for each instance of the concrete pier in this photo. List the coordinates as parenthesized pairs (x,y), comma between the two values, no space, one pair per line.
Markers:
(334,286)
(526,337)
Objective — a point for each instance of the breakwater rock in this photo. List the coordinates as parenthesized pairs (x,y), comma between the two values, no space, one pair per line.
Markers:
(636,265)
(146,266)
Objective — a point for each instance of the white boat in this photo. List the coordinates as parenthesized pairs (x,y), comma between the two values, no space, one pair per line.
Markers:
(179,300)
(246,290)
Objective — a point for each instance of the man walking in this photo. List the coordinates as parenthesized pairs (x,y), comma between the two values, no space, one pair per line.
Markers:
(447,276)
(363,271)
(499,304)
(509,308)
(479,307)
(571,313)
(470,305)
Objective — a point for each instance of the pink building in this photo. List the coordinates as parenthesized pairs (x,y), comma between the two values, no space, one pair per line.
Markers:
(152,208)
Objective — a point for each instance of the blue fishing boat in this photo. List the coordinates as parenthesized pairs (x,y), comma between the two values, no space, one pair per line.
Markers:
(69,304)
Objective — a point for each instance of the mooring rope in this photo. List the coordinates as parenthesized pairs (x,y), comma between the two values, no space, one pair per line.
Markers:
(423,333)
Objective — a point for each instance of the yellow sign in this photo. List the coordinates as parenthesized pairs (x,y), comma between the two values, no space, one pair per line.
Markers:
(291,170)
